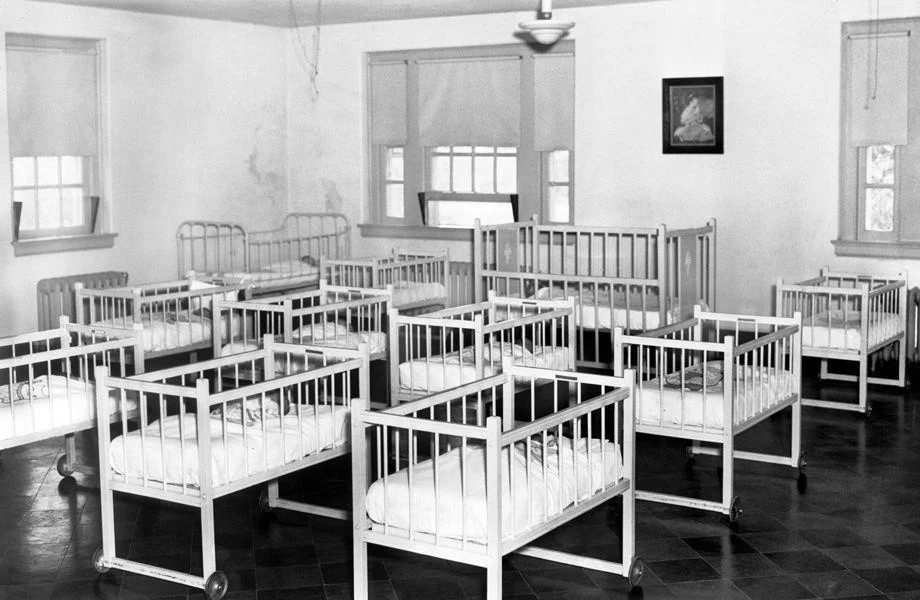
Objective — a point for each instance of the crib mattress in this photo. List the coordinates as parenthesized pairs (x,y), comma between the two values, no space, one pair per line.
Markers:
(376,340)
(673,407)
(450,370)
(409,292)
(598,312)
(832,331)
(527,507)
(130,455)
(62,402)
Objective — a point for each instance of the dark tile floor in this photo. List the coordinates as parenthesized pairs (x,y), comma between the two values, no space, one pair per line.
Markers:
(854,533)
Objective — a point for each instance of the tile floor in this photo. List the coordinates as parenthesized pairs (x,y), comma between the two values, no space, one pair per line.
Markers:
(854,533)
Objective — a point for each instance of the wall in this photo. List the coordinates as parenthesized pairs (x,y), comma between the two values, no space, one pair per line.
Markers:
(774,191)
(197,129)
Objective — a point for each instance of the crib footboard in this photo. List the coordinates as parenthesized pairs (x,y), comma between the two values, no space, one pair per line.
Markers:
(211,247)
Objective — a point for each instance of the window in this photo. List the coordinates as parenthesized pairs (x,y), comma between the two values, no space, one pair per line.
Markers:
(879,151)
(54,124)
(464,130)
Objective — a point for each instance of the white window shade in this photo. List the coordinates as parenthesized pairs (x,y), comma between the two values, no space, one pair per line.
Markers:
(52,102)
(388,103)
(470,101)
(878,89)
(554,102)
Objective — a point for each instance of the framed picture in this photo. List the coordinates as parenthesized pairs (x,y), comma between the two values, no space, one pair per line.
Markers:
(692,115)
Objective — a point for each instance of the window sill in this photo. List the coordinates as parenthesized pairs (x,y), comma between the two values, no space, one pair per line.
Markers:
(909,250)
(420,232)
(69,243)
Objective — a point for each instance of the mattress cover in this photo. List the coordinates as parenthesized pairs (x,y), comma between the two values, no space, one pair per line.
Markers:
(407,292)
(844,332)
(601,312)
(457,515)
(336,335)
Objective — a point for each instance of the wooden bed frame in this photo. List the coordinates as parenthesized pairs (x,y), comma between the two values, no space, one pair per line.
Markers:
(310,380)
(72,352)
(636,278)
(419,280)
(867,313)
(760,363)
(271,261)
(594,408)
(457,343)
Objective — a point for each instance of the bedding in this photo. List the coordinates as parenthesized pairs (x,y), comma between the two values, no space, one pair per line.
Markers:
(597,311)
(458,515)
(262,449)
(832,330)
(407,292)
(336,335)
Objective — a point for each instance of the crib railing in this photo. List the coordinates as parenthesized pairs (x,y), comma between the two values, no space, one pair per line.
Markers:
(913,324)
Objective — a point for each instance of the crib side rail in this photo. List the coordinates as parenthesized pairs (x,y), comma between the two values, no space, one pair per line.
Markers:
(845,279)
(343,312)
(211,247)
(414,268)
(358,272)
(765,373)
(239,326)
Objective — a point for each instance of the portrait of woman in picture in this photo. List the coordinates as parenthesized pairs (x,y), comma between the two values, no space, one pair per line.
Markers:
(693,115)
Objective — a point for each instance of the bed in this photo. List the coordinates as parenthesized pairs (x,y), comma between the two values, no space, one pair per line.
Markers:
(47,387)
(849,317)
(271,261)
(711,377)
(247,433)
(435,351)
(419,280)
(174,316)
(630,277)
(475,489)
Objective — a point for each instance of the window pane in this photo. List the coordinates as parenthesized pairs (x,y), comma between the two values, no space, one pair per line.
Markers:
(507,175)
(880,164)
(440,173)
(463,174)
(483,149)
(71,170)
(463,149)
(27,199)
(485,176)
(442,149)
(23,171)
(49,208)
(71,207)
(395,203)
(559,166)
(879,209)
(48,170)
(559,203)
(463,214)
(506,150)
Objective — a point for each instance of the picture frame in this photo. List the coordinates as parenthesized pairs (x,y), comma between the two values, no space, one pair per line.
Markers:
(692,115)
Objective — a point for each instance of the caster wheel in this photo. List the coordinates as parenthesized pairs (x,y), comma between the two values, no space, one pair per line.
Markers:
(62,468)
(97,562)
(636,571)
(216,586)
(868,412)
(264,504)
(734,512)
(802,483)
(803,461)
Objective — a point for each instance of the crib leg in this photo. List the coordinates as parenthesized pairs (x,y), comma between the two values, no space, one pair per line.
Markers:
(902,363)
(494,581)
(65,464)
(360,566)
(728,475)
(208,559)
(863,384)
(823,368)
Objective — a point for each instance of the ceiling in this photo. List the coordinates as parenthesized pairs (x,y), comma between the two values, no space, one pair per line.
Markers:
(289,13)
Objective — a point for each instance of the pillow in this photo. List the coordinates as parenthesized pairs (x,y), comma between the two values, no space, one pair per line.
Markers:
(696,376)
(23,391)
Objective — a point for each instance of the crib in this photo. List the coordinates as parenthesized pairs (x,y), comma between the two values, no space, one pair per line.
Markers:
(711,377)
(270,261)
(849,317)
(249,432)
(47,388)
(460,496)
(335,316)
(174,316)
(630,277)
(419,280)
(435,351)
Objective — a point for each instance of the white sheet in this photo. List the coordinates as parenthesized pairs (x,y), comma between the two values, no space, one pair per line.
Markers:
(594,311)
(456,368)
(339,336)
(520,511)
(675,407)
(406,292)
(61,402)
(272,448)
(831,330)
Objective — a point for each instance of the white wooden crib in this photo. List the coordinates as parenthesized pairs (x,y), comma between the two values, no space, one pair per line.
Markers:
(419,280)
(174,317)
(47,387)
(849,317)
(630,277)
(475,489)
(435,351)
(272,261)
(249,430)
(708,379)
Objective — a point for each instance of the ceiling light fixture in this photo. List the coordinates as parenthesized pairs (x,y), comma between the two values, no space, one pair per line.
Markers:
(546,30)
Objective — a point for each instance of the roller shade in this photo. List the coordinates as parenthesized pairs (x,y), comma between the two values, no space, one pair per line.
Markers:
(554,105)
(388,103)
(470,101)
(52,102)
(878,89)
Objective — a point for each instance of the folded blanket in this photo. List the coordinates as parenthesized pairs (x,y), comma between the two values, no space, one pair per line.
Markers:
(696,377)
